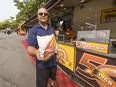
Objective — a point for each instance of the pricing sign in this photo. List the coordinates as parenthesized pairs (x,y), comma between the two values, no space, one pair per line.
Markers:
(108,15)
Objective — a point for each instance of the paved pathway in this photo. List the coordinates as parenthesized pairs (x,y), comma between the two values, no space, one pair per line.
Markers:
(16,69)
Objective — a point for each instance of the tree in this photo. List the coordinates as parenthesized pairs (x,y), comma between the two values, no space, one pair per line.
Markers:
(27,8)
(13,24)
(9,23)
(4,24)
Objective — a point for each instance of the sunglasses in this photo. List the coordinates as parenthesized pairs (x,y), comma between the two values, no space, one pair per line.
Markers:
(43,14)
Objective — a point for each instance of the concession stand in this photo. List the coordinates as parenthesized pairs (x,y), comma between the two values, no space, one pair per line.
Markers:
(88,56)
(94,63)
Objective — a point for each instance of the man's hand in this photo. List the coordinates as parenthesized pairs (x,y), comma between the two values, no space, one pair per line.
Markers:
(38,56)
(45,58)
(57,57)
(35,52)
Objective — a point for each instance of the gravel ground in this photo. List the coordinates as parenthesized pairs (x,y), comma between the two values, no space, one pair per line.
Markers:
(16,69)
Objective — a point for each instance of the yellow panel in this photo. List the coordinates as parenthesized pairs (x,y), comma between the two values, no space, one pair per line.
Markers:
(66,56)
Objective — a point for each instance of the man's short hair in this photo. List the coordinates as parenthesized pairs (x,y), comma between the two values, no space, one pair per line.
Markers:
(42,6)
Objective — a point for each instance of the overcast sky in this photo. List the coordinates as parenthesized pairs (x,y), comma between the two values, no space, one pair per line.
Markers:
(7,9)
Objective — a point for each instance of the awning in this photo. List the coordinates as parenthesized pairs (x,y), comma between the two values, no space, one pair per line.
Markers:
(50,4)
(56,7)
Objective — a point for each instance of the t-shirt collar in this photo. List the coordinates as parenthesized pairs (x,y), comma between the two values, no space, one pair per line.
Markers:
(38,25)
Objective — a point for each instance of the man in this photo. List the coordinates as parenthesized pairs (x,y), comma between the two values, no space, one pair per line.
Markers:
(45,65)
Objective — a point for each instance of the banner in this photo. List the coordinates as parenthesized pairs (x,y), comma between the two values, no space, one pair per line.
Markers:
(98,47)
(94,69)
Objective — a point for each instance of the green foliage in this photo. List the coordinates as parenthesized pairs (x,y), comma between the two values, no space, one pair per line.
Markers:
(27,8)
(9,23)
(13,24)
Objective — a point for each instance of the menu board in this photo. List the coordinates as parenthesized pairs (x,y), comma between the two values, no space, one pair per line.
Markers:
(96,70)
(108,15)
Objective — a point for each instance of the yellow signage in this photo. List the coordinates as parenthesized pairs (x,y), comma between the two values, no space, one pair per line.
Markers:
(66,56)
(93,46)
(108,15)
